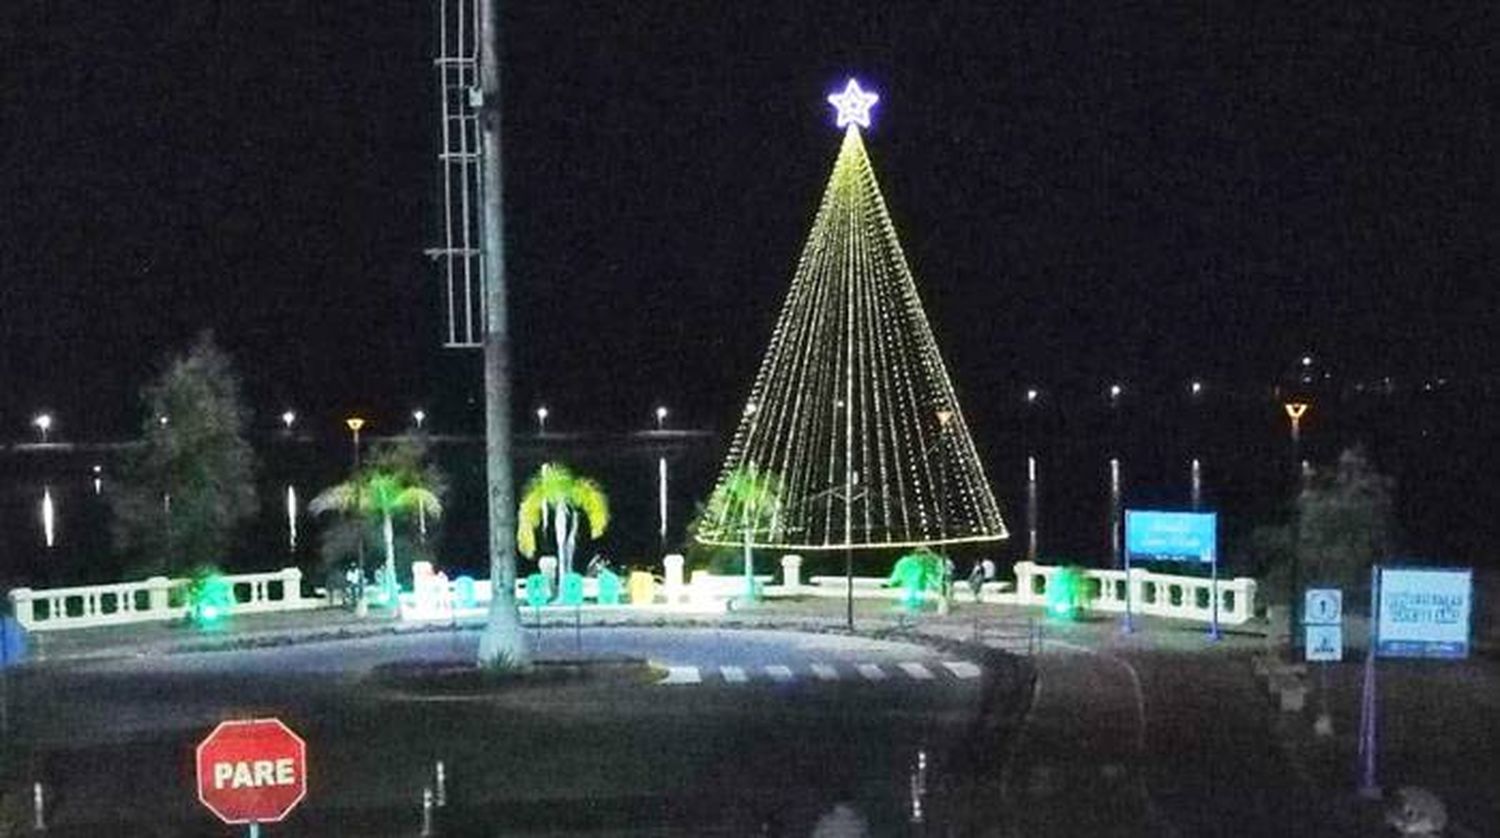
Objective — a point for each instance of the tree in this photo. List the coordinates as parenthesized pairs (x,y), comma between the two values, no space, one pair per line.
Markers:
(190,484)
(1345,522)
(381,494)
(747,501)
(557,496)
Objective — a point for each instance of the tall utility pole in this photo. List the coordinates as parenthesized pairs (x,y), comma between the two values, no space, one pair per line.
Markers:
(503,642)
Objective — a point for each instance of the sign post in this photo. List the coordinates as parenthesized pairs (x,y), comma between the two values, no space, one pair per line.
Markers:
(252,772)
(1322,622)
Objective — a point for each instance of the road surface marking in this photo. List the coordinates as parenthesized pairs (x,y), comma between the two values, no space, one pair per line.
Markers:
(682,675)
(916,670)
(733,674)
(825,672)
(962,669)
(779,672)
(871,672)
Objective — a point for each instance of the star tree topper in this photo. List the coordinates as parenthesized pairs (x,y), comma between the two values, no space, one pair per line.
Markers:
(853,105)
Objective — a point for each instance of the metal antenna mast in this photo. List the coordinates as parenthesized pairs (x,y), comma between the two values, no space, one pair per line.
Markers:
(459,256)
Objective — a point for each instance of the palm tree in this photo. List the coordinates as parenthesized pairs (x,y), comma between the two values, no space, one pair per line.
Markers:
(383,496)
(748,499)
(557,496)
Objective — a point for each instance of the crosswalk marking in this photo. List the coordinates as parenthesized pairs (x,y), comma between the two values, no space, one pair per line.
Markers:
(916,670)
(733,674)
(921,671)
(962,669)
(682,675)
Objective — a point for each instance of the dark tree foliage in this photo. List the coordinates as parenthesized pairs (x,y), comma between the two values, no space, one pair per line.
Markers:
(409,460)
(190,484)
(1345,522)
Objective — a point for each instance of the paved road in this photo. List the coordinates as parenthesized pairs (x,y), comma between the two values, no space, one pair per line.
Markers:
(775,731)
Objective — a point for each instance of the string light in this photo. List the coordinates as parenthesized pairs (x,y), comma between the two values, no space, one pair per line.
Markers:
(853,384)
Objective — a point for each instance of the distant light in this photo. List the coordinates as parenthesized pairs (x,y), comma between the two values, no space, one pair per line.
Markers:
(49,517)
(1197,387)
(43,422)
(1306,360)
(1031,395)
(1115,390)
(661,416)
(355,423)
(161,420)
(541,413)
(288,418)
(419,416)
(853,105)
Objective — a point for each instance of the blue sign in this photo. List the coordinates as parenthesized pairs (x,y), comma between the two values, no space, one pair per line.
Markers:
(1170,536)
(1325,643)
(1424,612)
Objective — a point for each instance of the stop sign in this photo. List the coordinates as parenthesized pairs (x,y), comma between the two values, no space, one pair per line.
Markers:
(252,771)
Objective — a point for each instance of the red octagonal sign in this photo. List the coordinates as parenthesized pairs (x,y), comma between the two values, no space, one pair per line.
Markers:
(252,771)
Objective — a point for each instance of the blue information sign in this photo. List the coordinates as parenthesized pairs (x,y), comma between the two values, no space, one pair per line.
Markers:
(1170,536)
(1424,612)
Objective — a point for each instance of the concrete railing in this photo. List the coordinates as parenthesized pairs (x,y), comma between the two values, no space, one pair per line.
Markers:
(157,598)
(1155,594)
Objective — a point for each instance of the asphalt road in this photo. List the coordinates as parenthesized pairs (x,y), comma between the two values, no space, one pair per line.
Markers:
(771,733)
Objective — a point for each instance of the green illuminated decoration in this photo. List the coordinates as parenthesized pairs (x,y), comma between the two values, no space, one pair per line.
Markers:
(210,598)
(570,592)
(916,574)
(557,497)
(1066,594)
(852,410)
(609,587)
(538,590)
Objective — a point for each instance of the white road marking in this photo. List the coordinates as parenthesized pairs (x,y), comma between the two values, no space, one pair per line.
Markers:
(871,672)
(733,674)
(779,672)
(962,669)
(916,670)
(682,675)
(825,672)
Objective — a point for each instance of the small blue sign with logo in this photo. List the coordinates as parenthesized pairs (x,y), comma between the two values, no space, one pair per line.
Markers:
(1170,536)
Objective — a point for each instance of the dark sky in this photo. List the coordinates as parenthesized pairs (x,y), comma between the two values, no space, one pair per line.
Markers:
(1084,190)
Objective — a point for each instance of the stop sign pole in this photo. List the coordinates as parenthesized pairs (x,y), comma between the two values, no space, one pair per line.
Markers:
(252,771)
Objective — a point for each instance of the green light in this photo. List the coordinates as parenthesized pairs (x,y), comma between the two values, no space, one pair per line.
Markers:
(1065,593)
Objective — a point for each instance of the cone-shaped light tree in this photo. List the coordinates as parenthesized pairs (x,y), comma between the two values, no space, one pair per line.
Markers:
(852,410)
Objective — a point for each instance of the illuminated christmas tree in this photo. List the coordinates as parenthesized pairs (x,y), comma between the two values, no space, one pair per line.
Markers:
(852,416)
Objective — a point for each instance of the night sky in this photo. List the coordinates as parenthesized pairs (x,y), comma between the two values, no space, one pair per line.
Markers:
(1085,191)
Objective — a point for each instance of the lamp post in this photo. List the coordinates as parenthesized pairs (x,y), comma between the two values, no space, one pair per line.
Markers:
(1294,413)
(541,421)
(43,423)
(361,606)
(288,419)
(419,416)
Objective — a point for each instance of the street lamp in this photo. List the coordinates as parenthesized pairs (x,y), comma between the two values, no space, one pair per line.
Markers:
(419,416)
(1196,388)
(541,421)
(1031,395)
(43,423)
(355,423)
(288,418)
(1294,413)
(1114,393)
(661,416)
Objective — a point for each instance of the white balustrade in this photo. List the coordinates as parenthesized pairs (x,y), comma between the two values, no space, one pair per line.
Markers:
(1155,594)
(153,599)
(674,589)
